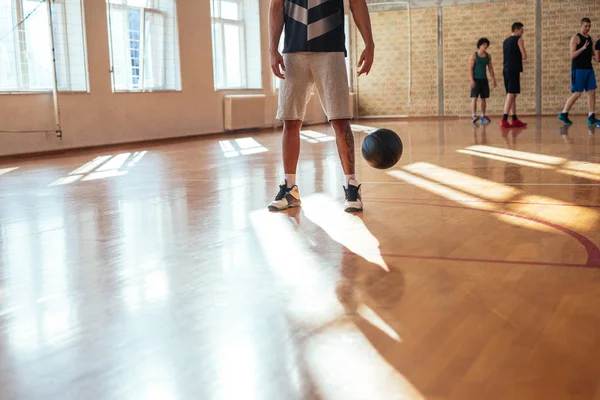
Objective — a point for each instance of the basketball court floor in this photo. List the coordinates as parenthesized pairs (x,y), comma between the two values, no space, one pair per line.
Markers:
(155,271)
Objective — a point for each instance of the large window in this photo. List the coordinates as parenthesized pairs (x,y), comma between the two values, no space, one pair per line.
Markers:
(236,44)
(144,45)
(26,46)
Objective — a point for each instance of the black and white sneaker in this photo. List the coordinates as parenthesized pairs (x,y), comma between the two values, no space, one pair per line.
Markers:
(353,201)
(286,198)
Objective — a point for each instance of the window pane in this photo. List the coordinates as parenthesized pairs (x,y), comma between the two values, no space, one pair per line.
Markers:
(67,19)
(8,48)
(218,56)
(230,10)
(134,46)
(37,47)
(150,60)
(236,44)
(26,52)
(233,67)
(154,51)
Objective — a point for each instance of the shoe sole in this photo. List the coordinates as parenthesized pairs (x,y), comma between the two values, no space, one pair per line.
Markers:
(273,208)
(353,209)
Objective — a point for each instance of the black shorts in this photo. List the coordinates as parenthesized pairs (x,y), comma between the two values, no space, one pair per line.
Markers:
(481,89)
(512,82)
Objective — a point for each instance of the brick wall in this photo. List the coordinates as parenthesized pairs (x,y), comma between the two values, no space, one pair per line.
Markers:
(560,21)
(462,27)
(385,90)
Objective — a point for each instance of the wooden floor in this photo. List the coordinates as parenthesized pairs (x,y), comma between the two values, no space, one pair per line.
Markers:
(156,271)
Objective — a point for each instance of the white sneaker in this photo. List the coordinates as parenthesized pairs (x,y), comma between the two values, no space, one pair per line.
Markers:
(353,201)
(286,198)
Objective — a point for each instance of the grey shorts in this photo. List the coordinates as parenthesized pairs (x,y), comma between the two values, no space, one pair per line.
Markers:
(304,71)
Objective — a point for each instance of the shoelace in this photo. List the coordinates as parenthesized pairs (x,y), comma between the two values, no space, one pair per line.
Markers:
(352,193)
(282,192)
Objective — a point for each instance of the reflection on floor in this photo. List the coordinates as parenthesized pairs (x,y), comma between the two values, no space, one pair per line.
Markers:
(158,273)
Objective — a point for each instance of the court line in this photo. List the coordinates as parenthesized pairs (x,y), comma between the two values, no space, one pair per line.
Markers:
(491,201)
(511,184)
(593,252)
(481,260)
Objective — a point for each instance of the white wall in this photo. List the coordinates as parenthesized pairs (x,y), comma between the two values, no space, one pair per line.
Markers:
(102,117)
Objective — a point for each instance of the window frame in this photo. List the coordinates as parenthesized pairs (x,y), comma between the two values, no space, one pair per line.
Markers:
(143,11)
(20,44)
(243,67)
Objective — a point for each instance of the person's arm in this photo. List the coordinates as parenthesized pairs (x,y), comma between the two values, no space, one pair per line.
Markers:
(597,51)
(573,46)
(522,48)
(360,13)
(472,70)
(491,68)
(275,29)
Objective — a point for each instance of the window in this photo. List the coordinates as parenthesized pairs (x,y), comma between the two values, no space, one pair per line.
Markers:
(26,46)
(144,45)
(236,44)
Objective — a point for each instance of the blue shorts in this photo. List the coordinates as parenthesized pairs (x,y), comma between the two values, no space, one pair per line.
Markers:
(582,80)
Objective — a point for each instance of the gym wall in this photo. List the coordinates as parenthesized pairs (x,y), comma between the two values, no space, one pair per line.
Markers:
(385,90)
(461,27)
(102,117)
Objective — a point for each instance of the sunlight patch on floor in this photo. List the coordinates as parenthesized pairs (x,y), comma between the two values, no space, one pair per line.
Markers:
(102,167)
(342,361)
(580,169)
(315,137)
(310,288)
(467,183)
(241,146)
(436,180)
(346,229)
(521,155)
(346,366)
(7,170)
(506,159)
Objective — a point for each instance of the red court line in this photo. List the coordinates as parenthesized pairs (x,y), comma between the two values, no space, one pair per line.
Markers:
(482,260)
(490,201)
(593,252)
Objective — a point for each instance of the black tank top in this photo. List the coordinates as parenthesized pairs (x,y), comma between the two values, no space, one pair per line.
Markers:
(314,25)
(584,60)
(513,59)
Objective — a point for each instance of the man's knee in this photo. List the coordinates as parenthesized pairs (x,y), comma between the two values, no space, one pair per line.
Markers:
(292,127)
(340,126)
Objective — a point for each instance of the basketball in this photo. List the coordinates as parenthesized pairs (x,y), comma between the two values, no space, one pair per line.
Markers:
(382,148)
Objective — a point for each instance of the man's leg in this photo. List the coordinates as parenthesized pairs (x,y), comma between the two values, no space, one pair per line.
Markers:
(508,107)
(344,138)
(474,117)
(294,93)
(577,87)
(515,84)
(485,94)
(513,107)
(475,93)
(571,101)
(331,81)
(591,88)
(564,115)
(291,149)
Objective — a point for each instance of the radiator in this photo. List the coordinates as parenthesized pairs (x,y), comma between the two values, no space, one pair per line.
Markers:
(244,111)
